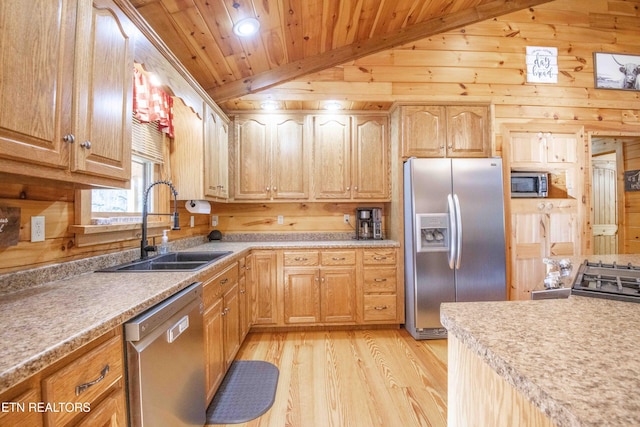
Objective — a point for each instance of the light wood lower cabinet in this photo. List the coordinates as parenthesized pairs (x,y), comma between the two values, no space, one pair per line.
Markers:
(264,297)
(84,388)
(221,325)
(380,285)
(320,287)
(244,297)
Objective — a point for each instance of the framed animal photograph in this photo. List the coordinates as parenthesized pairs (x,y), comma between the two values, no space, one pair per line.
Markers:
(616,71)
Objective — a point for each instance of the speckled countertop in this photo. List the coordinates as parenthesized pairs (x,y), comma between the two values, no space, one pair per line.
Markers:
(576,359)
(50,312)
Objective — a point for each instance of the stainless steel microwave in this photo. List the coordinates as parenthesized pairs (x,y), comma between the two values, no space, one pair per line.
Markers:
(529,184)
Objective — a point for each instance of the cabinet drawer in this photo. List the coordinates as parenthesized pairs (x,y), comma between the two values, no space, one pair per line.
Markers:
(215,286)
(379,307)
(301,258)
(379,256)
(339,258)
(380,279)
(16,416)
(84,380)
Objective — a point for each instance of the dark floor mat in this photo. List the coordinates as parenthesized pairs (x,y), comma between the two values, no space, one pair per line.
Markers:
(247,391)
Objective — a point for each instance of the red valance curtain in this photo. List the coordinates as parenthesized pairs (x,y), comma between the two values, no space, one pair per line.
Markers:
(151,103)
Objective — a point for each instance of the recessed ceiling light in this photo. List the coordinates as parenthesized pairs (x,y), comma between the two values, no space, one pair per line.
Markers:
(332,105)
(270,105)
(246,27)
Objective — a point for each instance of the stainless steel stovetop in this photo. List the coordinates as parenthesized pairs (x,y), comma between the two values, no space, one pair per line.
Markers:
(611,281)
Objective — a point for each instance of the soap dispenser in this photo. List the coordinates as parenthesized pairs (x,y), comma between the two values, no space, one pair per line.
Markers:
(164,246)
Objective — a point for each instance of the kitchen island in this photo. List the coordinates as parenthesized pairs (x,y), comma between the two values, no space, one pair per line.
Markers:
(562,362)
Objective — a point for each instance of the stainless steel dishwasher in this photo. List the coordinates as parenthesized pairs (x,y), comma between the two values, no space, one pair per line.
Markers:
(165,362)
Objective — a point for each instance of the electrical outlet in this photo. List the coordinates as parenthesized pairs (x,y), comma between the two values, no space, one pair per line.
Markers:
(37,229)
(192,221)
(214,220)
(280,219)
(346,218)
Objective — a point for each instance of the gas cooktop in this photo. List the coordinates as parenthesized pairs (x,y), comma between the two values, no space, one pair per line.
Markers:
(611,281)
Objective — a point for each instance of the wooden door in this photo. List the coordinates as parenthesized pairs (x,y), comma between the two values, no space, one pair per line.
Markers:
(468,131)
(338,294)
(264,300)
(371,168)
(528,247)
(103,93)
(423,131)
(301,295)
(252,162)
(605,205)
(36,69)
(290,159)
(332,157)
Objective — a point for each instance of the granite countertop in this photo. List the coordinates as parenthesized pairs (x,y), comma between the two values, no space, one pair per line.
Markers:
(576,359)
(50,312)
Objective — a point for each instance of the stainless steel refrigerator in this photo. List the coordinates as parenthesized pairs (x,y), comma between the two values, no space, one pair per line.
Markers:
(454,238)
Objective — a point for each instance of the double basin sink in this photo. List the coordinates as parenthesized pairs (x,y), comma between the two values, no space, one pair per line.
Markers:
(172,261)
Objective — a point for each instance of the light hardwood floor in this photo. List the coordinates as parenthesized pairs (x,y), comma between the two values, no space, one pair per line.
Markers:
(356,378)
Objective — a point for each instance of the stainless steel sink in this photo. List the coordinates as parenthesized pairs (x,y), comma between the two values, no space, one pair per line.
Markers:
(173,261)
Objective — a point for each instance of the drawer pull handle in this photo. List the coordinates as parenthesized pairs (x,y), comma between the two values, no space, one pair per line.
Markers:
(300,259)
(83,387)
(379,258)
(377,279)
(380,307)
(335,258)
(224,281)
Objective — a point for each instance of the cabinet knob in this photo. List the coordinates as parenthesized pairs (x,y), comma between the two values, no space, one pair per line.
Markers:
(355,188)
(549,205)
(449,146)
(275,189)
(86,144)
(540,206)
(348,188)
(69,138)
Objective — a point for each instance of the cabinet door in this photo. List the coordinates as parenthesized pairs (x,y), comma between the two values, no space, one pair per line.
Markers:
(290,161)
(22,396)
(337,295)
(212,161)
(231,322)
(423,131)
(264,300)
(36,65)
(301,295)
(214,350)
(252,162)
(332,157)
(103,91)
(111,412)
(540,229)
(243,300)
(223,159)
(468,131)
(187,154)
(371,158)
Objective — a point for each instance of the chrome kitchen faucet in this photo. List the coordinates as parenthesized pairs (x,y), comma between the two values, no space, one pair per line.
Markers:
(145,248)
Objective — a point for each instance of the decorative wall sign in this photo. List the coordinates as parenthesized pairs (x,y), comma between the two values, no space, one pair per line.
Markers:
(632,180)
(9,226)
(542,64)
(616,71)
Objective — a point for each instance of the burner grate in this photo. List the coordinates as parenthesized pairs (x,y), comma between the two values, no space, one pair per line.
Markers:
(613,281)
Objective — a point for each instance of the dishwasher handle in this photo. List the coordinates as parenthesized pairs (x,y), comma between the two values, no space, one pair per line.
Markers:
(177,329)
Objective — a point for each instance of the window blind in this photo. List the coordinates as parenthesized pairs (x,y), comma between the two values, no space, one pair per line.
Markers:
(147,141)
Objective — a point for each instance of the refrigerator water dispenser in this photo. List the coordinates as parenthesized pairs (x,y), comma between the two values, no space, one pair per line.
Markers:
(433,232)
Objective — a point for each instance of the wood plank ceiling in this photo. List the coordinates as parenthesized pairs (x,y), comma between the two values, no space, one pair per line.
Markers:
(299,37)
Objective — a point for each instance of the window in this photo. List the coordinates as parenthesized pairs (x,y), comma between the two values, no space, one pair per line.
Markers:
(110,206)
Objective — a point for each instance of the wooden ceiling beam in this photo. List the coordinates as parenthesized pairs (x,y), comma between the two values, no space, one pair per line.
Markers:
(441,24)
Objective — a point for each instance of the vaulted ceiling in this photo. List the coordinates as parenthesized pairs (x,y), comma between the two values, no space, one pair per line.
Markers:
(299,37)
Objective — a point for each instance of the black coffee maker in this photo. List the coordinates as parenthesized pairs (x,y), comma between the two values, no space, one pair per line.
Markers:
(368,223)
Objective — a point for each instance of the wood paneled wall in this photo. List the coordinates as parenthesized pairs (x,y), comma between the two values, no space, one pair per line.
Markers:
(631,219)
(484,62)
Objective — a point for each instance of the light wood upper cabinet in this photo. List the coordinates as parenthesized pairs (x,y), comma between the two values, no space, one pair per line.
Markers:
(371,158)
(216,159)
(67,73)
(445,131)
(271,158)
(332,157)
(351,158)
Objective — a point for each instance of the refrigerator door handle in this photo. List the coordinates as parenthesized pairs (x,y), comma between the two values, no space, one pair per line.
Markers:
(451,212)
(458,231)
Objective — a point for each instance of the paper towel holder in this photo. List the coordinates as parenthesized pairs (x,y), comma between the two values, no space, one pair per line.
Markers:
(198,206)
